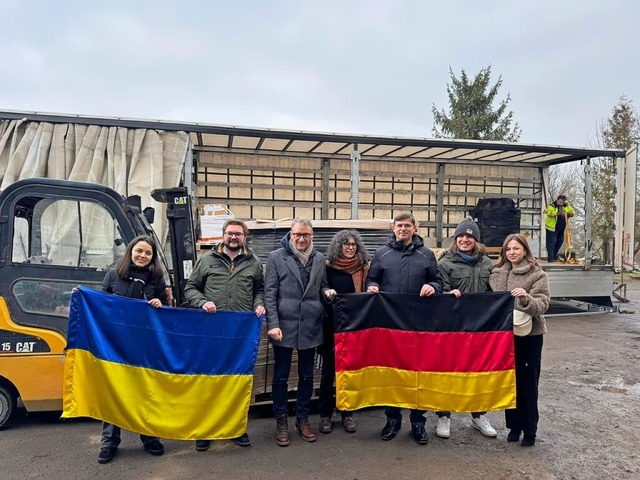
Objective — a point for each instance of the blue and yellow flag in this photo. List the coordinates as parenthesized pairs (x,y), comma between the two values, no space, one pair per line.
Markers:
(167,372)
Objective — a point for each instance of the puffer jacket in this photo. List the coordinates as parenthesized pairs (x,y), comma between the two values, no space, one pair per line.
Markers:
(534,280)
(236,285)
(458,274)
(296,310)
(112,283)
(400,268)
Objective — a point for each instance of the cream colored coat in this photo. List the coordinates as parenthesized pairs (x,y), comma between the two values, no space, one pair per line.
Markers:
(535,282)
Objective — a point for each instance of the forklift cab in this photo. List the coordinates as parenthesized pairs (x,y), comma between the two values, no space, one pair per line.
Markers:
(54,235)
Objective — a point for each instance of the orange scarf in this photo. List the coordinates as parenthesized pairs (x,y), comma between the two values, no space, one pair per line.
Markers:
(353,267)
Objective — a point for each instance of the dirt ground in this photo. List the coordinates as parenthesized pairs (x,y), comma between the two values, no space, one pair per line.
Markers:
(589,429)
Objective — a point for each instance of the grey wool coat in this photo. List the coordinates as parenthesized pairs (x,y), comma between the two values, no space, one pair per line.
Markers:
(295,310)
(534,280)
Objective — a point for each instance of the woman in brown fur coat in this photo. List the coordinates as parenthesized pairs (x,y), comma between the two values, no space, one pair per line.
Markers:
(519,272)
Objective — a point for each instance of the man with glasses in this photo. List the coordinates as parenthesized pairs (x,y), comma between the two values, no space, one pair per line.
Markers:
(295,280)
(229,277)
(404,265)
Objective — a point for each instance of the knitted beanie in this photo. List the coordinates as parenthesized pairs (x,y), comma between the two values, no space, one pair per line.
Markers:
(469,227)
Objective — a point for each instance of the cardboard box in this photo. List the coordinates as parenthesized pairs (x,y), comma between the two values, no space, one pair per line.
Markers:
(212,217)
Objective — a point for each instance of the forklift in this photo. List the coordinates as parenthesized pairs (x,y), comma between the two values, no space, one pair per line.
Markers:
(55,235)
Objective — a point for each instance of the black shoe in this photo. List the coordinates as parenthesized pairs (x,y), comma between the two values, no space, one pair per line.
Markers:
(391,428)
(419,433)
(514,436)
(528,441)
(154,447)
(243,440)
(106,454)
(203,445)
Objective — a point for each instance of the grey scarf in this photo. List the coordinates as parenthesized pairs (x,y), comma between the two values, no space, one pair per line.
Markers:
(302,256)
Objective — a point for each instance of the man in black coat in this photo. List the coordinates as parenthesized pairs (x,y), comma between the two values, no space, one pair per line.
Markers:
(404,265)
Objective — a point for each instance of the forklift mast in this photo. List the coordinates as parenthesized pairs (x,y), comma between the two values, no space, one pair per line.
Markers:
(181,235)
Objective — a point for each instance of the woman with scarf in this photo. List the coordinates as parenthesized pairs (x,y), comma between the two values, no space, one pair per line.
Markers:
(347,267)
(465,269)
(519,272)
(138,274)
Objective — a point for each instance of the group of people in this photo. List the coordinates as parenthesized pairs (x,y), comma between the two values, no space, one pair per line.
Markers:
(295,294)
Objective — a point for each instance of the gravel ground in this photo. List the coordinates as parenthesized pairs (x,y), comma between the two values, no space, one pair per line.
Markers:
(589,429)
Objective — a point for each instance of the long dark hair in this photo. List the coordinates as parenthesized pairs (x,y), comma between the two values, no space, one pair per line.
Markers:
(155,267)
(334,250)
(525,244)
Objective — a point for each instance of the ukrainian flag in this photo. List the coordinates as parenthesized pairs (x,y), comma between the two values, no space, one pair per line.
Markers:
(438,353)
(167,372)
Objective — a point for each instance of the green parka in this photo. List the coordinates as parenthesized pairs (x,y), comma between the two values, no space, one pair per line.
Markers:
(458,274)
(236,285)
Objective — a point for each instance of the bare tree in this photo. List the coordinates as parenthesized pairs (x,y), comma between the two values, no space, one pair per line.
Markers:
(620,130)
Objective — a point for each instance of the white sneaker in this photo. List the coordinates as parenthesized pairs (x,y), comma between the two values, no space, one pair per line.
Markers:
(481,423)
(443,429)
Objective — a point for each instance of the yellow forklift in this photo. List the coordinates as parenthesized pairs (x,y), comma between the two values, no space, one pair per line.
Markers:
(55,235)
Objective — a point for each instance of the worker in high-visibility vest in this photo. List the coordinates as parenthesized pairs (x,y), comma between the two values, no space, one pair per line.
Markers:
(557,213)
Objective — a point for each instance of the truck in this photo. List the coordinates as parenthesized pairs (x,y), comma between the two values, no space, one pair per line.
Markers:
(264,176)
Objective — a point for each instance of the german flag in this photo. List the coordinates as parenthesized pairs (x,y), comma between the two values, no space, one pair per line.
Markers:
(167,372)
(437,353)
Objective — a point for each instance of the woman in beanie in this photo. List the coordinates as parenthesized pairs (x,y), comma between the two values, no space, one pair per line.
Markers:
(465,268)
(519,272)
(347,267)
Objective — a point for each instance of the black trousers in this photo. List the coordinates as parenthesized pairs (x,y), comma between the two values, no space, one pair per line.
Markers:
(524,418)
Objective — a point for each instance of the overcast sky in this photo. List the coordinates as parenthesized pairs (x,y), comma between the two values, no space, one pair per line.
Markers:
(365,67)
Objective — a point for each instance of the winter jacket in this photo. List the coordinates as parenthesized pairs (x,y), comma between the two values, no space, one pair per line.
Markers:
(552,215)
(534,280)
(112,283)
(400,268)
(458,274)
(236,285)
(296,310)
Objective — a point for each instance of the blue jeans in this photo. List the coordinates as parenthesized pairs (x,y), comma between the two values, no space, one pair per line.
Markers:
(280,384)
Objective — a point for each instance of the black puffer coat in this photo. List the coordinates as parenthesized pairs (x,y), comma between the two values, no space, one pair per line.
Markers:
(400,268)
(112,283)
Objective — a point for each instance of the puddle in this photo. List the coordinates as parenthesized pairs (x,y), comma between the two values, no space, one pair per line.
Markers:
(616,386)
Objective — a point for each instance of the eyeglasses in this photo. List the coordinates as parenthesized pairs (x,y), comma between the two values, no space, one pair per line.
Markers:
(306,236)
(233,234)
(350,245)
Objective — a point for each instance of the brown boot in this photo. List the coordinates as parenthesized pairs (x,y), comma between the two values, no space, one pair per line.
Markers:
(282,430)
(305,430)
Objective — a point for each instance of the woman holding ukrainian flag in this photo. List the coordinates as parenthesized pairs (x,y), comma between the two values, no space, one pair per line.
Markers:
(138,274)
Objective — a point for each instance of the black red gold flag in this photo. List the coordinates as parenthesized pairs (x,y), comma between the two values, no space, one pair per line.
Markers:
(437,353)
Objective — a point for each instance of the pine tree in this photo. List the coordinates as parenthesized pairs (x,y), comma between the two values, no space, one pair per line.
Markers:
(471,114)
(621,130)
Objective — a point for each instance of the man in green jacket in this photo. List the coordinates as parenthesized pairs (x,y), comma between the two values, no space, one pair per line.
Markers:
(557,214)
(229,277)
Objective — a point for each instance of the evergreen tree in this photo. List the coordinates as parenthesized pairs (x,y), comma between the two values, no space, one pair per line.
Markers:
(471,114)
(621,130)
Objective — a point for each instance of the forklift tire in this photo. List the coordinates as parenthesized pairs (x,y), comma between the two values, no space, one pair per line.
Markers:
(7,404)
